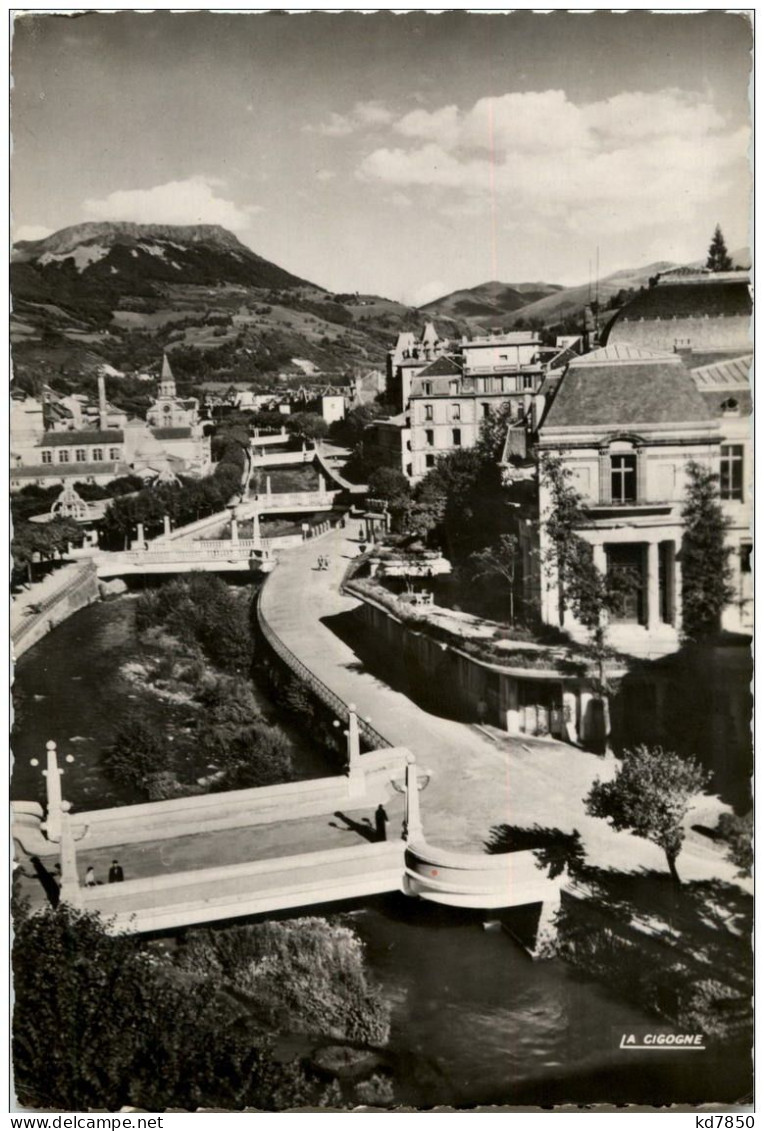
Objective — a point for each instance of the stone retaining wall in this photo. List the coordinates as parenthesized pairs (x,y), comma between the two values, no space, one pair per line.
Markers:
(449,681)
(76,594)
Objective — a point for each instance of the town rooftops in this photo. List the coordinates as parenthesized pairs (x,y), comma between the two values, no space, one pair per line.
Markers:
(74,436)
(621,386)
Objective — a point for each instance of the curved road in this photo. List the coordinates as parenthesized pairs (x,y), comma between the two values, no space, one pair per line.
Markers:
(477,783)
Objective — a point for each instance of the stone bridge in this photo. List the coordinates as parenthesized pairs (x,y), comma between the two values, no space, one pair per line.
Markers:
(293,879)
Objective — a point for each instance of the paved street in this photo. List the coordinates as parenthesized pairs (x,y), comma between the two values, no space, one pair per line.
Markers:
(477,783)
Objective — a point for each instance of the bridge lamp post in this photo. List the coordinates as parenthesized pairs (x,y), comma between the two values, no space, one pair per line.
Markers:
(356,778)
(414,785)
(54,805)
(58,828)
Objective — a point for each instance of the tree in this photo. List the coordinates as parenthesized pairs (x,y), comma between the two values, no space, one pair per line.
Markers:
(493,432)
(718,258)
(502,561)
(390,486)
(308,425)
(590,595)
(650,796)
(706,570)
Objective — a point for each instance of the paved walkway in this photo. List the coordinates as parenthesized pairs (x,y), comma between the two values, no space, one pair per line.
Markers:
(25,602)
(477,783)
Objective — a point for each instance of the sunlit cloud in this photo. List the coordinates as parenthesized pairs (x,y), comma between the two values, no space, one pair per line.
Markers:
(615,165)
(193,201)
(31,232)
(364,115)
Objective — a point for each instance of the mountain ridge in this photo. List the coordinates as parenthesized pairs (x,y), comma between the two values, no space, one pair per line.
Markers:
(67,239)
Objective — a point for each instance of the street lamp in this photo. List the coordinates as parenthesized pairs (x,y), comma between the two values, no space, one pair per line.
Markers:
(54,806)
(58,827)
(414,785)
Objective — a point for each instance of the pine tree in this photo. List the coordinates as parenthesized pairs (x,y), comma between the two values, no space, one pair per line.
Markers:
(706,571)
(718,257)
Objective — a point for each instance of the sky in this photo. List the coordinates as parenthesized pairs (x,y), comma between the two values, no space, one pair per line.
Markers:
(401,155)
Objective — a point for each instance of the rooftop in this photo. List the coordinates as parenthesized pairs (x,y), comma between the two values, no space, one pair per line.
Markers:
(724,374)
(75,471)
(443,366)
(626,392)
(73,436)
(171,433)
(697,297)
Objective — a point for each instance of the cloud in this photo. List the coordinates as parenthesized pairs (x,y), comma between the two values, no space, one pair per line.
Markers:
(400,200)
(31,232)
(325,175)
(363,115)
(192,201)
(633,160)
(373,113)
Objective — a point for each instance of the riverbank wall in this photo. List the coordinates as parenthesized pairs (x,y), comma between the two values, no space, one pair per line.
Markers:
(78,588)
(300,690)
(530,701)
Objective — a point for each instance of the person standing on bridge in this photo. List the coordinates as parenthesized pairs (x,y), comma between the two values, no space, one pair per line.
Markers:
(116,875)
(90,879)
(380,820)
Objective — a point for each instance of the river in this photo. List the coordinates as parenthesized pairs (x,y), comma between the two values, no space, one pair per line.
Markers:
(474,1020)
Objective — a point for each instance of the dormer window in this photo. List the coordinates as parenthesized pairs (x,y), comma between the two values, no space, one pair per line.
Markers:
(427,388)
(731,407)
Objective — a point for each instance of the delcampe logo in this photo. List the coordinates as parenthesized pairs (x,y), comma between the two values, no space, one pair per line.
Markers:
(645,1039)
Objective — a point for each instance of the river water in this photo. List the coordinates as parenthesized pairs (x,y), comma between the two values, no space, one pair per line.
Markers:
(474,1020)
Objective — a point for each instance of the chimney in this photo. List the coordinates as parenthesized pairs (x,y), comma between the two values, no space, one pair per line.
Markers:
(102,421)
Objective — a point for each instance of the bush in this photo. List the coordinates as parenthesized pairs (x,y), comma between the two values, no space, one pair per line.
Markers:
(137,753)
(306,975)
(102,1022)
(255,755)
(201,610)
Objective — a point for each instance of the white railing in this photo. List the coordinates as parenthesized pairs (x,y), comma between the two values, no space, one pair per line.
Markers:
(285,500)
(233,553)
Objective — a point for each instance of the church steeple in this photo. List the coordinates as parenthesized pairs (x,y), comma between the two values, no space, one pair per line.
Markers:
(166,381)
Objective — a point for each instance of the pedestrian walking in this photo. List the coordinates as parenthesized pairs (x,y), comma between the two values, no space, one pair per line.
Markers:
(380,820)
(116,875)
(326,563)
(320,563)
(90,879)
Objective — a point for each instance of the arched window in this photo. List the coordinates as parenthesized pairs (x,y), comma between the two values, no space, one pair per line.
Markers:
(621,471)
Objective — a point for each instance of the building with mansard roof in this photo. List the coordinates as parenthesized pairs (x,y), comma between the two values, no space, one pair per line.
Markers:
(626,422)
